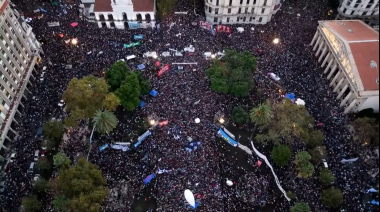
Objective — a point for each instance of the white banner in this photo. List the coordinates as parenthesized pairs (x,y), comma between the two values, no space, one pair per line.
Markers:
(349,160)
(205,25)
(120,147)
(53,24)
(270,166)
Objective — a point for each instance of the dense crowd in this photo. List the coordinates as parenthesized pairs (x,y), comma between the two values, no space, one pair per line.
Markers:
(184,96)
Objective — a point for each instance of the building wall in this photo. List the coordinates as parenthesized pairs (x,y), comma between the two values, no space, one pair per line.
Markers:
(371,102)
(19,52)
(366,10)
(240,11)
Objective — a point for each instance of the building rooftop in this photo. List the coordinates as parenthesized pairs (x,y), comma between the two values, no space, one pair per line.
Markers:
(361,42)
(103,6)
(143,5)
(5,4)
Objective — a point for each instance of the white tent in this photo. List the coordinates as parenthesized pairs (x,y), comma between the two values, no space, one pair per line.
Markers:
(240,29)
(300,102)
(197,120)
(229,183)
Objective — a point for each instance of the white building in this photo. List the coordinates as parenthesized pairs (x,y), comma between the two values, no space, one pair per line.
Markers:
(350,52)
(121,14)
(19,55)
(241,11)
(365,10)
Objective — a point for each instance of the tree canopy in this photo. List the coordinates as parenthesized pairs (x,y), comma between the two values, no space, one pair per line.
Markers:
(116,74)
(300,207)
(111,102)
(61,160)
(235,75)
(281,155)
(290,121)
(84,97)
(40,186)
(305,168)
(80,188)
(261,115)
(240,115)
(53,132)
(30,204)
(104,121)
(332,197)
(129,92)
(367,130)
(326,177)
(165,7)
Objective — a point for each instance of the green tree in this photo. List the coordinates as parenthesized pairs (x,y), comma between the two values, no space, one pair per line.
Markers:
(84,97)
(165,7)
(111,102)
(367,130)
(281,155)
(239,115)
(30,204)
(270,136)
(289,121)
(305,168)
(332,197)
(80,188)
(326,177)
(53,132)
(104,121)
(129,92)
(300,207)
(144,84)
(314,138)
(61,160)
(40,186)
(235,75)
(116,75)
(262,115)
(291,195)
(317,154)
(44,164)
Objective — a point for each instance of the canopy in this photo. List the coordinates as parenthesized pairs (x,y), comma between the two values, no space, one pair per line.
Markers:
(197,120)
(300,102)
(142,104)
(291,96)
(229,183)
(74,24)
(153,93)
(375,202)
(189,196)
(141,66)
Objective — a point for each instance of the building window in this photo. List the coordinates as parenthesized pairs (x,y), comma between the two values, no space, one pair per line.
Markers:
(230,2)
(101,17)
(125,18)
(228,19)
(244,19)
(229,10)
(241,1)
(217,2)
(250,19)
(139,17)
(246,10)
(247,2)
(263,11)
(352,13)
(254,2)
(345,10)
(252,10)
(216,10)
(216,19)
(260,19)
(209,9)
(239,10)
(237,20)
(110,17)
(147,18)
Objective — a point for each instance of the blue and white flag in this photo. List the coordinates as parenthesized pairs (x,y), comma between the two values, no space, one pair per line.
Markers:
(102,148)
(42,10)
(124,148)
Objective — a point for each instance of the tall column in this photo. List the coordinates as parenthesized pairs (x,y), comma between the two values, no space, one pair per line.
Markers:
(317,43)
(314,38)
(15,121)
(346,99)
(329,65)
(320,48)
(335,78)
(23,95)
(326,59)
(16,133)
(30,83)
(323,53)
(342,92)
(18,112)
(332,71)
(339,84)
(349,108)
(4,147)
(28,89)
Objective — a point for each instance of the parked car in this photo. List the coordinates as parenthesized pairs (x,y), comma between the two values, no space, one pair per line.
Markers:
(274,77)
(31,167)
(325,163)
(42,153)
(36,155)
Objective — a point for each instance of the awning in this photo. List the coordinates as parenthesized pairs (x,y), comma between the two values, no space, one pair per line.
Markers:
(153,93)
(141,66)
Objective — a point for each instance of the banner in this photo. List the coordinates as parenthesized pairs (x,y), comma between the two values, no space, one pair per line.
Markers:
(138,37)
(53,24)
(164,69)
(132,45)
(124,148)
(133,25)
(349,160)
(205,25)
(149,178)
(227,138)
(101,148)
(222,28)
(163,123)
(142,137)
(270,166)
(229,133)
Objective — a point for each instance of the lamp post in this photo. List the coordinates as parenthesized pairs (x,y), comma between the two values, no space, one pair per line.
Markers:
(276,41)
(92,133)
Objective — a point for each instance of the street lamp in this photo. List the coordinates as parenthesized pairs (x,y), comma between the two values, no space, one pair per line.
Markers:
(276,41)
(152,122)
(221,120)
(74,41)
(213,56)
(155,56)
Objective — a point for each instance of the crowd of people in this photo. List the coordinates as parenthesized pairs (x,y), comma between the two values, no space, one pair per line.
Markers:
(183,96)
